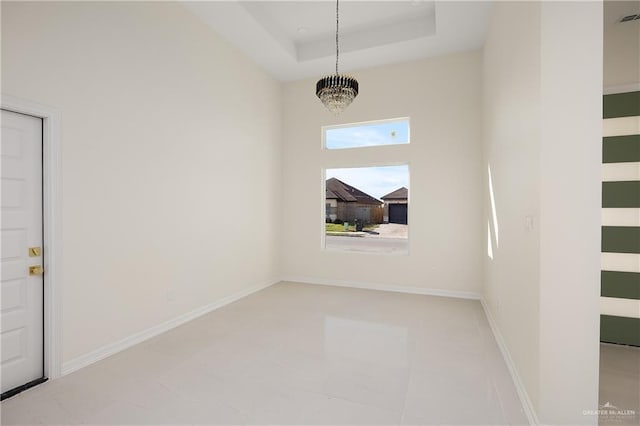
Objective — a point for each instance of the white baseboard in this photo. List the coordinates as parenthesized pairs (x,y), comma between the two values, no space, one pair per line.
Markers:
(386,287)
(134,339)
(527,405)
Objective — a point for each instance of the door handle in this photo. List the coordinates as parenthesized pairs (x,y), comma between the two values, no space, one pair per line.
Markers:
(36,270)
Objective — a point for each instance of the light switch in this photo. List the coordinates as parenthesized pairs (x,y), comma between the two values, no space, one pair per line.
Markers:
(528,223)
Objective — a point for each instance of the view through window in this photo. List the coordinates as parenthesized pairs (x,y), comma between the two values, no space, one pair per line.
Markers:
(366,209)
(361,135)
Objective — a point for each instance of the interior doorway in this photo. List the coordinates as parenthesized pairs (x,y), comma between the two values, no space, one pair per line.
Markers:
(22,278)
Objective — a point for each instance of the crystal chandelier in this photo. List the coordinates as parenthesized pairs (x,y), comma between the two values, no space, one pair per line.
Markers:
(337,91)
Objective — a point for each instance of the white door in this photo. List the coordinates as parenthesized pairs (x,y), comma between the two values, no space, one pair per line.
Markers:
(21,249)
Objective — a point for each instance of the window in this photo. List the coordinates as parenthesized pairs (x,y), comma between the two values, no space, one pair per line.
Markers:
(378,133)
(366,209)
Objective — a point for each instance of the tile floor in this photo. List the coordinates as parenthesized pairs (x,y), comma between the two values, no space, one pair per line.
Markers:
(619,384)
(296,354)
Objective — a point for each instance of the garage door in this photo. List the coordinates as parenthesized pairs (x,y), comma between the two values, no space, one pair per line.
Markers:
(398,213)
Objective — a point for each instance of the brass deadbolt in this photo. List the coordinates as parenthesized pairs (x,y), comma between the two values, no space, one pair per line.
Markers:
(36,270)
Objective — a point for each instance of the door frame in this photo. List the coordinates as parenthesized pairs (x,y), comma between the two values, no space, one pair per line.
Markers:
(52,220)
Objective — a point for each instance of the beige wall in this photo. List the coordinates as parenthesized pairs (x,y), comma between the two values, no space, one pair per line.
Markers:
(542,129)
(442,98)
(512,136)
(161,119)
(154,133)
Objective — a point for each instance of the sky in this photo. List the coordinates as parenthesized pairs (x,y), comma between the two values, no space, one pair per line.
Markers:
(375,181)
(371,134)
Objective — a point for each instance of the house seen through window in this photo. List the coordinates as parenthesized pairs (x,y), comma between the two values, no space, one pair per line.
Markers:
(366,209)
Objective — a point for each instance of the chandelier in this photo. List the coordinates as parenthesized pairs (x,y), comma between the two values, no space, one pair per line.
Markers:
(337,91)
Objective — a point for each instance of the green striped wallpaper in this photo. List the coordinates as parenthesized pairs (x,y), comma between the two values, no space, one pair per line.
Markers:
(620,330)
(621,149)
(621,105)
(620,279)
(621,194)
(624,285)
(621,239)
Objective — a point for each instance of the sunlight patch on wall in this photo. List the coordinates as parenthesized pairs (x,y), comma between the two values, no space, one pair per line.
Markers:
(494,215)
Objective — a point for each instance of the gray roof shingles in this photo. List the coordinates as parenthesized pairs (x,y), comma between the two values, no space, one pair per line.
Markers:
(398,194)
(336,189)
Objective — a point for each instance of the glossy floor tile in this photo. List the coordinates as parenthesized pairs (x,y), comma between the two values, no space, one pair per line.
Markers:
(296,354)
(619,385)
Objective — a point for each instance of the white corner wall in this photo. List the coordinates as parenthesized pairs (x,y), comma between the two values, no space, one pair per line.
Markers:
(542,129)
(442,98)
(171,160)
(570,211)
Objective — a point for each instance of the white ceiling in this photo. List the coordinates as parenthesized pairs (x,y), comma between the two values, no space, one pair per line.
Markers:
(296,39)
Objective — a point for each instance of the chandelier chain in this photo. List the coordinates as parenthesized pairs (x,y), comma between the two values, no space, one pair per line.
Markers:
(337,29)
(337,91)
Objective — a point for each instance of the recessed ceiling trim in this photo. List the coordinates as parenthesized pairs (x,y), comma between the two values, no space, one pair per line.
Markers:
(368,38)
(267,32)
(271,27)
